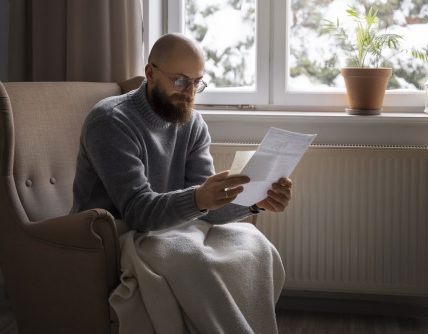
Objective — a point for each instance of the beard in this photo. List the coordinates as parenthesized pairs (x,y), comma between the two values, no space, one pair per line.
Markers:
(176,108)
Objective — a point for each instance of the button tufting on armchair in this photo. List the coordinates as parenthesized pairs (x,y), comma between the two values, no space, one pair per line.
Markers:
(59,268)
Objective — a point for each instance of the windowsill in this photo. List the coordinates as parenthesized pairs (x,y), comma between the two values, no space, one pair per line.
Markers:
(319,116)
(388,128)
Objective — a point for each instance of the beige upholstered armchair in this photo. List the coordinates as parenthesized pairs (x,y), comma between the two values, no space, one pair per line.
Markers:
(59,269)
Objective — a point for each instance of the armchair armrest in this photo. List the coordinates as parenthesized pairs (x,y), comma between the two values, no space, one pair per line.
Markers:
(89,230)
(79,230)
(71,262)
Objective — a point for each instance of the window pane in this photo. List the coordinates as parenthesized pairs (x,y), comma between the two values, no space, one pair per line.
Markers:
(226,31)
(315,58)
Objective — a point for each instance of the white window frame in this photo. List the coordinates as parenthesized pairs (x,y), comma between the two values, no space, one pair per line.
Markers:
(281,95)
(272,71)
(153,24)
(230,96)
(319,101)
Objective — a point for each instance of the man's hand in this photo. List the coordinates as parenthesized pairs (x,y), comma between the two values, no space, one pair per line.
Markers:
(278,196)
(218,190)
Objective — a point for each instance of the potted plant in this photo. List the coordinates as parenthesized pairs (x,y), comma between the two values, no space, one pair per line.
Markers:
(366,45)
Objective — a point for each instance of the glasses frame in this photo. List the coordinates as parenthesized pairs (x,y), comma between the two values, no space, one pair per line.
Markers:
(198,84)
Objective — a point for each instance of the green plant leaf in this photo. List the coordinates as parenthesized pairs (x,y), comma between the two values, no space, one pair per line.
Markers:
(421,55)
(368,45)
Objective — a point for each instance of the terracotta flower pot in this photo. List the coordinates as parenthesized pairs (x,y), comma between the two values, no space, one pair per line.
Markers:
(365,89)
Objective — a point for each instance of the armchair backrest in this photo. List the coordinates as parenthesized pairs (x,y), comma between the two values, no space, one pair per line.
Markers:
(58,272)
(40,127)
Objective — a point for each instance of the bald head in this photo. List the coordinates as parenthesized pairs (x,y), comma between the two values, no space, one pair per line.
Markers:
(174,71)
(173,47)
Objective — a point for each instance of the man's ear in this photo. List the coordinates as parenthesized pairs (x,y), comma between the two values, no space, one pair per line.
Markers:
(149,73)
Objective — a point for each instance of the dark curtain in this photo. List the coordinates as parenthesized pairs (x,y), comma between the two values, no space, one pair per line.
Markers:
(75,40)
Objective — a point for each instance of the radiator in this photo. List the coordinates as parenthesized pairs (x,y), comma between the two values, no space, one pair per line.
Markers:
(357,222)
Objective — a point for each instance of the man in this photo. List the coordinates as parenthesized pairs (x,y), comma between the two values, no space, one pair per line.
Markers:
(144,156)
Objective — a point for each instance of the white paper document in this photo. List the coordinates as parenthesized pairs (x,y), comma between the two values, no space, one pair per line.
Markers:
(276,157)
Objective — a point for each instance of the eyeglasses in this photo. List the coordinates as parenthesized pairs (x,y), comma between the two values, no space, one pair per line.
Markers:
(181,83)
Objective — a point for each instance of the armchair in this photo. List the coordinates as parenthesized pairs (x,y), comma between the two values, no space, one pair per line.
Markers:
(59,268)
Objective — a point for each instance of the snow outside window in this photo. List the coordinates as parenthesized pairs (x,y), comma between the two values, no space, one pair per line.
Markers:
(272,52)
(235,44)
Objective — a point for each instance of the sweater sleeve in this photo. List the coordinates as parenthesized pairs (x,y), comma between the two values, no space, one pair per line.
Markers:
(199,167)
(114,152)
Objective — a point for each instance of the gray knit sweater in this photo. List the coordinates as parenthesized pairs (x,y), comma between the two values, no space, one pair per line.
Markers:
(143,169)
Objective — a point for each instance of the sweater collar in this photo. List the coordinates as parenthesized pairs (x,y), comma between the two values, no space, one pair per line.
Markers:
(140,97)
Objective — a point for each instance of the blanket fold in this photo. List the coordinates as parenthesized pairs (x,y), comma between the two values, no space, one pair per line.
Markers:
(198,278)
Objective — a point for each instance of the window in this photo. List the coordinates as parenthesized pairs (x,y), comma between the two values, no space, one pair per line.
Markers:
(236,47)
(272,52)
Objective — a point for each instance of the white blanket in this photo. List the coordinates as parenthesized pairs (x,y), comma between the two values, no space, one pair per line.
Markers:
(198,278)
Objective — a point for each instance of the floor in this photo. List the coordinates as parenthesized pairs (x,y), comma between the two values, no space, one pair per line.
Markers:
(302,322)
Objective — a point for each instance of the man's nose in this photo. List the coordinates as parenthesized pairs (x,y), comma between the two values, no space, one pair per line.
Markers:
(190,90)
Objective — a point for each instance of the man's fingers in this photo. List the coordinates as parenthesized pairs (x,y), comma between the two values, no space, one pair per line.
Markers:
(275,205)
(282,190)
(285,182)
(233,184)
(278,200)
(279,197)
(220,176)
(219,189)
(268,206)
(223,179)
(232,192)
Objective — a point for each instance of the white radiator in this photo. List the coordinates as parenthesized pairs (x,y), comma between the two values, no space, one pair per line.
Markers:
(357,222)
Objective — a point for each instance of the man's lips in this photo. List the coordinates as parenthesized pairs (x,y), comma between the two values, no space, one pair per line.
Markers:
(182,98)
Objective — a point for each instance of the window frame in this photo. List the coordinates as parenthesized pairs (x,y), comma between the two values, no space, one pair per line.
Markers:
(411,101)
(230,96)
(272,91)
